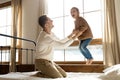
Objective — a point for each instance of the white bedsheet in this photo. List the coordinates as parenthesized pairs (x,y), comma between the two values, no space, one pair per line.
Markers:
(71,76)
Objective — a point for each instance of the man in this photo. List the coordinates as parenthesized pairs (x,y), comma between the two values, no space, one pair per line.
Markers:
(46,43)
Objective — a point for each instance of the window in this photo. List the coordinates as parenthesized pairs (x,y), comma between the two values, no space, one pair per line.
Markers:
(91,10)
(5,28)
(5,25)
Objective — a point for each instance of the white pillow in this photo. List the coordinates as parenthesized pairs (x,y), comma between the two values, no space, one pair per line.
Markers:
(118,72)
(109,77)
(113,70)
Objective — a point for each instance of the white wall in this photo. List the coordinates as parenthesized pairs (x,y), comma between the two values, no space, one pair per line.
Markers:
(30,13)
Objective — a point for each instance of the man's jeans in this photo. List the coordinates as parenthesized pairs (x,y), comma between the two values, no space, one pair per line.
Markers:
(83,48)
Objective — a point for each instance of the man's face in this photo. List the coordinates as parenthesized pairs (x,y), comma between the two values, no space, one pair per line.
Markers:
(49,23)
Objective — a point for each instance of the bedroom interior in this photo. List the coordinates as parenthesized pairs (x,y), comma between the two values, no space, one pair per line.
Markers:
(17,47)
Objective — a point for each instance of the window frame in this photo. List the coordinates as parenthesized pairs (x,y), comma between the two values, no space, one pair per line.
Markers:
(95,41)
(4,5)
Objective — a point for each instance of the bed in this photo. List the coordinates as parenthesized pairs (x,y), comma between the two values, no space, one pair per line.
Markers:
(71,76)
(110,73)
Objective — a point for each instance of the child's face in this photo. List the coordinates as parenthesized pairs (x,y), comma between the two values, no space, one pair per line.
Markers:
(74,13)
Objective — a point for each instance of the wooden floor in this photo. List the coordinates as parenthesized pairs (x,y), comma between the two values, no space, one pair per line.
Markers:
(4,69)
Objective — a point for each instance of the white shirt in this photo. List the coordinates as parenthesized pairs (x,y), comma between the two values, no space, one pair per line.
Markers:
(47,42)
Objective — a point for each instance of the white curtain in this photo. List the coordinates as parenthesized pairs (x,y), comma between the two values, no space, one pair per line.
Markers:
(110,37)
(16,23)
(43,9)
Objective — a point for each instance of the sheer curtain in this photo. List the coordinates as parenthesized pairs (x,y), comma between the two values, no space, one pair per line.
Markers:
(16,23)
(42,9)
(110,36)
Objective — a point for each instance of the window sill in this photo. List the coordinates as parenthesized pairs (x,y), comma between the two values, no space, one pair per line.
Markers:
(77,62)
(93,42)
(97,66)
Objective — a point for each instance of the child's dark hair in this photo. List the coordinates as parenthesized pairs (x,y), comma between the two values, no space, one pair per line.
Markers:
(75,8)
(42,20)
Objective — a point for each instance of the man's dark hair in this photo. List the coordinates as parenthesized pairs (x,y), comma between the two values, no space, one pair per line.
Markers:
(42,20)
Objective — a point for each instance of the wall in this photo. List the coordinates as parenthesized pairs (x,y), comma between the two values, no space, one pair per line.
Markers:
(30,13)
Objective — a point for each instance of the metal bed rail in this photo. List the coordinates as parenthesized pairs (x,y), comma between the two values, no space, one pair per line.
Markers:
(3,52)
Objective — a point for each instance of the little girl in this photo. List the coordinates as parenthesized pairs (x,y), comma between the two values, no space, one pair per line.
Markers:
(83,33)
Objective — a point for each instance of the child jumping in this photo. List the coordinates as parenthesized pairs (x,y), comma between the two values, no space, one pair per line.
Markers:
(83,33)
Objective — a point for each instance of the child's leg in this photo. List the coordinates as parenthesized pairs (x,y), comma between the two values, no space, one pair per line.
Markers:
(83,48)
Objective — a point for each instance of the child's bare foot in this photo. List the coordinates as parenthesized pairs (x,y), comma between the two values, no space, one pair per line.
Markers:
(89,61)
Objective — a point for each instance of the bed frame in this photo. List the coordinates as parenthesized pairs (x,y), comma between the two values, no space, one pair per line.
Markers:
(12,65)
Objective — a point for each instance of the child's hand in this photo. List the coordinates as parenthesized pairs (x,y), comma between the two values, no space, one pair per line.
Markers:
(70,36)
(74,37)
(78,34)
(75,31)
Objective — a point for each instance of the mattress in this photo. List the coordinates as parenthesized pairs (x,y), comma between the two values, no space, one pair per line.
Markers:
(70,76)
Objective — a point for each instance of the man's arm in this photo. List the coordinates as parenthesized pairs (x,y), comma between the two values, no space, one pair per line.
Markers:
(58,43)
(65,39)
